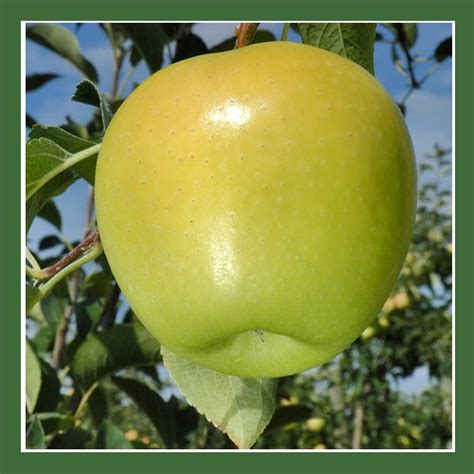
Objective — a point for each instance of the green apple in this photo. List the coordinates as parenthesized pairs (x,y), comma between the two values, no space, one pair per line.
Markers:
(256,205)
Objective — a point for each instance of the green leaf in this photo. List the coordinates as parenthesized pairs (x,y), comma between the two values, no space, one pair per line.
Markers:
(287,415)
(111,437)
(49,241)
(43,339)
(64,43)
(405,33)
(33,295)
(149,39)
(239,407)
(54,422)
(444,49)
(50,213)
(33,378)
(30,121)
(35,434)
(51,169)
(35,166)
(188,46)
(53,307)
(410,31)
(69,142)
(74,438)
(354,41)
(35,81)
(49,395)
(98,406)
(106,352)
(260,37)
(157,410)
(87,93)
(42,157)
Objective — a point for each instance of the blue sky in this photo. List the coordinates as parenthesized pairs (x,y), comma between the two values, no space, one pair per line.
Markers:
(428,110)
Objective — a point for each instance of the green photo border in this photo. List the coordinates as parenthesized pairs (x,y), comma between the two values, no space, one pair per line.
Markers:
(12,12)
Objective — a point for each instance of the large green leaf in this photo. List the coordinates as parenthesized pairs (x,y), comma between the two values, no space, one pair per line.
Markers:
(159,412)
(61,41)
(42,155)
(110,436)
(33,378)
(239,407)
(48,171)
(106,352)
(354,41)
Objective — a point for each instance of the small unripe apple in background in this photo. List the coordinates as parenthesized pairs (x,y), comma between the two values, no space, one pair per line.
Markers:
(256,206)
(315,424)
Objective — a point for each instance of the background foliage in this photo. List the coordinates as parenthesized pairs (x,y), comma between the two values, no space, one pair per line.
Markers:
(95,377)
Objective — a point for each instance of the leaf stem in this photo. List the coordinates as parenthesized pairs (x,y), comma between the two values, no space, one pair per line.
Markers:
(66,164)
(32,260)
(284,33)
(85,399)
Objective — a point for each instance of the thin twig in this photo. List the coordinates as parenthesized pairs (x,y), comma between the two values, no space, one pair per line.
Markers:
(358,426)
(245,34)
(60,338)
(118,57)
(90,241)
(108,313)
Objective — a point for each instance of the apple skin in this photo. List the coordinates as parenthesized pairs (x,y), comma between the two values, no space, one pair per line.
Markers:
(256,205)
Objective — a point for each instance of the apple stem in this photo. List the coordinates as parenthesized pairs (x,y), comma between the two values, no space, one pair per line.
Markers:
(245,34)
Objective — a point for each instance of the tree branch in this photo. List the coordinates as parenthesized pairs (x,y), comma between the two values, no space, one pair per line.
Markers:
(245,33)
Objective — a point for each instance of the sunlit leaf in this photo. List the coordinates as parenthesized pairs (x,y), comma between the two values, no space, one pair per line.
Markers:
(354,41)
(239,407)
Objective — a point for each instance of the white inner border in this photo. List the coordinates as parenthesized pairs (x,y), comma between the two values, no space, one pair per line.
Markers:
(154,451)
